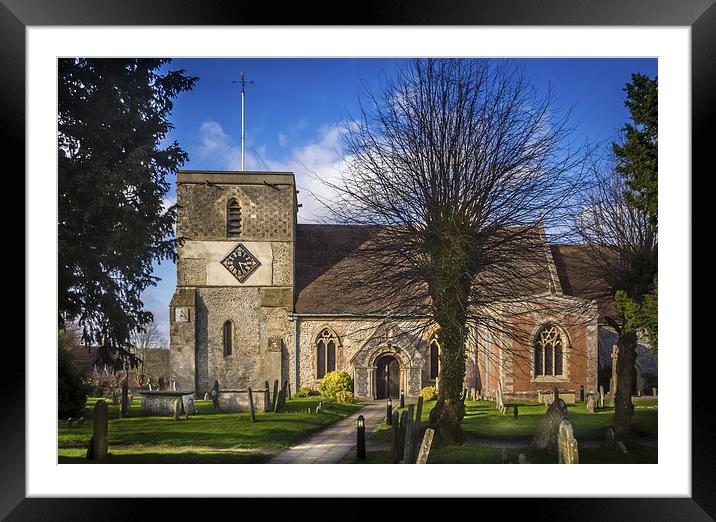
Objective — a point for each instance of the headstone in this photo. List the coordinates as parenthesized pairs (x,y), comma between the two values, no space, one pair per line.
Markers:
(503,454)
(124,409)
(268,405)
(215,394)
(97,448)
(115,398)
(251,405)
(568,447)
(653,392)
(418,420)
(275,394)
(621,448)
(548,431)
(610,438)
(281,404)
(401,433)
(189,405)
(425,446)
(590,403)
(206,396)
(394,438)
(521,459)
(177,409)
(515,413)
(613,380)
(174,385)
(161,383)
(409,437)
(601,396)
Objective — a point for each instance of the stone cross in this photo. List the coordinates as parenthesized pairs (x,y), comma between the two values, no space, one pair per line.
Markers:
(97,448)
(613,381)
(251,405)
(425,446)
(568,447)
(395,438)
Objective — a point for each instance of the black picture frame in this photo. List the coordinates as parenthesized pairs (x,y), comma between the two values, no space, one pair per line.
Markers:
(700,15)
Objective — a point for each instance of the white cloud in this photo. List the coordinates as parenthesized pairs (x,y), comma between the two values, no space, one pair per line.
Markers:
(318,159)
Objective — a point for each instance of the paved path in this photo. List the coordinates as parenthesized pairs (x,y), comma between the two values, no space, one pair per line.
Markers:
(330,445)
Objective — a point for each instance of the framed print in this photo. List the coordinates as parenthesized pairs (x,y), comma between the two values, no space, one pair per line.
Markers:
(259,281)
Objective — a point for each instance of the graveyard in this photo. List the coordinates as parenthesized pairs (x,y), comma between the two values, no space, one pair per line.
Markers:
(492,437)
(210,436)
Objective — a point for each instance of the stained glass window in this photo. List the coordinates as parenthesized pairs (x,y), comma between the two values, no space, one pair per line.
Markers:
(549,353)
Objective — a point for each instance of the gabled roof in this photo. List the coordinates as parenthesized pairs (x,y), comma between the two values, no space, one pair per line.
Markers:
(331,261)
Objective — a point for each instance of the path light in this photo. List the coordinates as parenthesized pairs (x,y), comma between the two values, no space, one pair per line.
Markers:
(389,412)
(360,442)
(402,399)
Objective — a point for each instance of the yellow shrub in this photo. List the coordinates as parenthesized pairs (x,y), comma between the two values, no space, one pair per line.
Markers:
(334,382)
(429,393)
(344,397)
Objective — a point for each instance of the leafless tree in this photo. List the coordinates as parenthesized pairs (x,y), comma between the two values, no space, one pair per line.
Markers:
(454,170)
(622,253)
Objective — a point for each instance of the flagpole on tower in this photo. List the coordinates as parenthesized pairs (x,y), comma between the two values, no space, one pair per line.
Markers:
(243,83)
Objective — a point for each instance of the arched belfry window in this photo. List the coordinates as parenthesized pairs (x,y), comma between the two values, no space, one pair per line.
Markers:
(228,338)
(549,352)
(326,345)
(233,218)
(434,357)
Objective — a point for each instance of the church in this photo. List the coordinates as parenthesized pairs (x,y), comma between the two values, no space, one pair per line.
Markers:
(256,300)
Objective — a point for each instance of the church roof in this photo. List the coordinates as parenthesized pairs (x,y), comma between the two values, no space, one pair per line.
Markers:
(579,279)
(331,260)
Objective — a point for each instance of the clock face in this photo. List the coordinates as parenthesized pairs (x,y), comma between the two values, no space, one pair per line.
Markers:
(241,263)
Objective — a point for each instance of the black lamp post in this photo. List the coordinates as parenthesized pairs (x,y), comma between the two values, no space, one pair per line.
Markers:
(389,412)
(402,399)
(360,442)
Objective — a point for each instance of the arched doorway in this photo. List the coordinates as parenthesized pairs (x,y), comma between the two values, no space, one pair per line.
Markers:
(387,377)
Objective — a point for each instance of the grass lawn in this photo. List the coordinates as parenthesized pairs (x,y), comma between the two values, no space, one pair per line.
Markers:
(209,437)
(486,429)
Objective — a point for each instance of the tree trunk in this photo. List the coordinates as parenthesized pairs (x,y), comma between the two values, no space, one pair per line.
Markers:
(623,407)
(449,410)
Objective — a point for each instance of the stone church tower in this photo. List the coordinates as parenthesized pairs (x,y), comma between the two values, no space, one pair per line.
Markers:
(230,317)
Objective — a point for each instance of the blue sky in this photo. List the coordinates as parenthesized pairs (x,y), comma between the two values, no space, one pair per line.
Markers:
(295,106)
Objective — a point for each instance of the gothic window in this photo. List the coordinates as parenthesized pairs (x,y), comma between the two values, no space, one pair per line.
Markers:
(549,352)
(233,218)
(228,338)
(326,344)
(434,358)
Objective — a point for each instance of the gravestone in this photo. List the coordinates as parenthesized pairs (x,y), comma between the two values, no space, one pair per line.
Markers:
(610,438)
(590,403)
(124,408)
(97,447)
(281,402)
(425,446)
(522,459)
(215,394)
(395,438)
(251,405)
(189,405)
(401,433)
(548,431)
(161,383)
(418,417)
(613,380)
(568,447)
(206,396)
(268,405)
(515,413)
(275,394)
(653,392)
(115,398)
(177,409)
(621,448)
(409,436)
(503,455)
(601,396)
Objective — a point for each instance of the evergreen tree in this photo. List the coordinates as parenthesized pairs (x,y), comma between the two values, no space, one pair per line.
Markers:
(112,218)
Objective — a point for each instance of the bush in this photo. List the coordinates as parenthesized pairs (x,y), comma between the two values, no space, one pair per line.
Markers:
(305,391)
(334,382)
(71,392)
(345,397)
(429,393)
